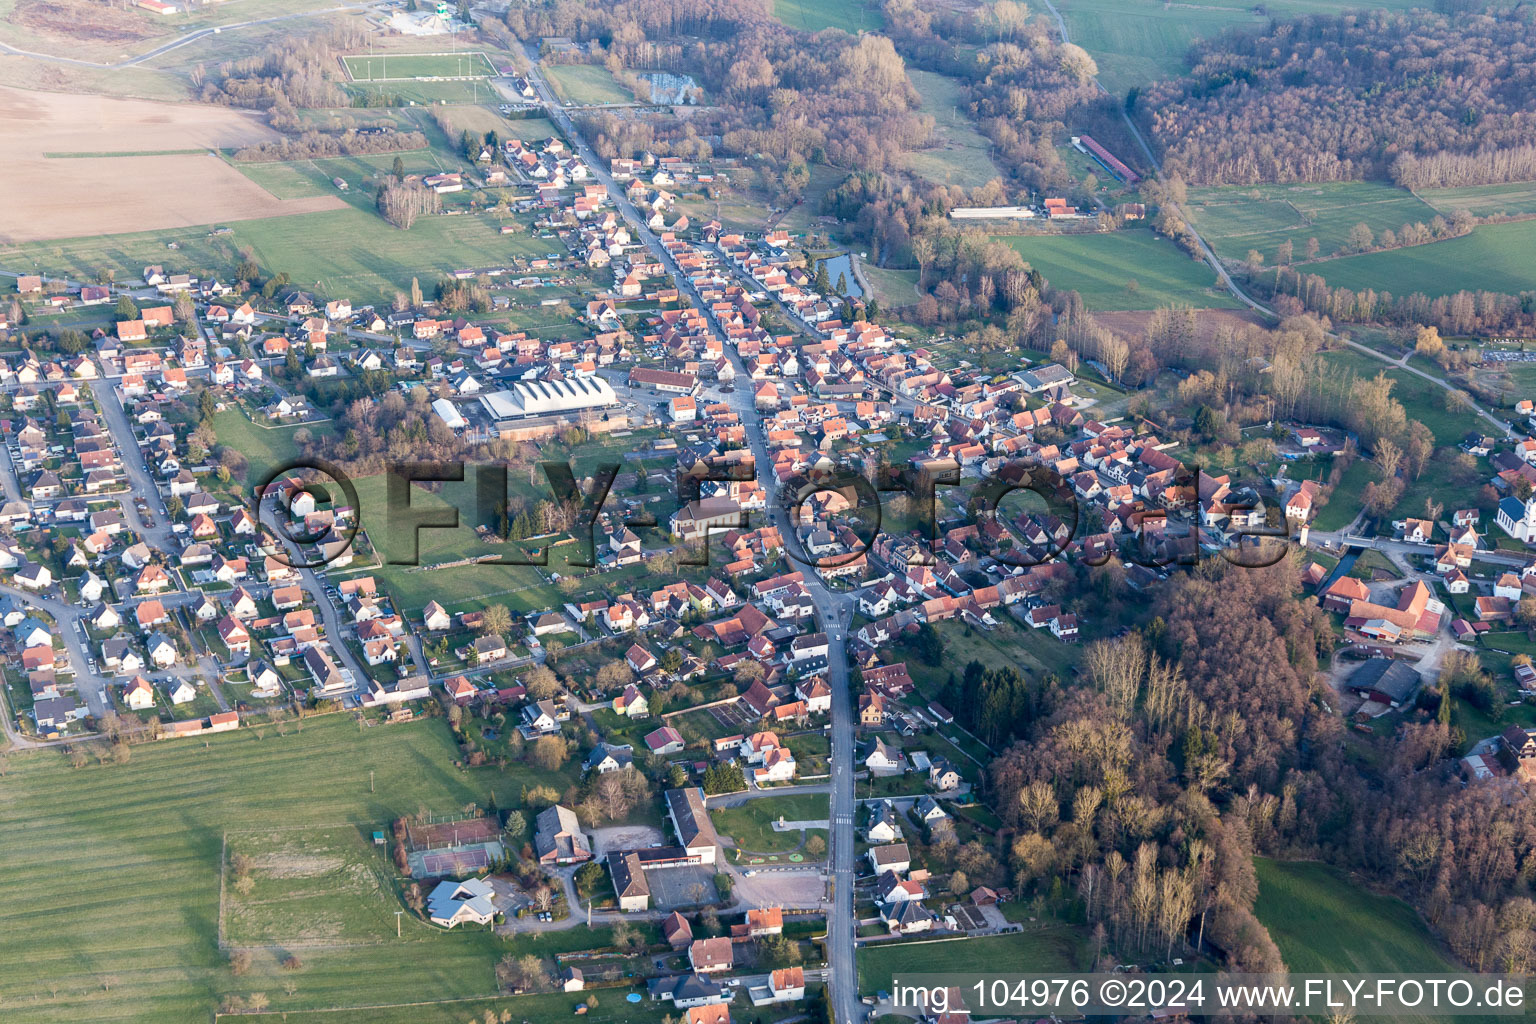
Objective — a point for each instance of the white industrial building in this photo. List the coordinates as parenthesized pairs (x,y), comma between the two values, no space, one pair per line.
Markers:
(449,414)
(549,398)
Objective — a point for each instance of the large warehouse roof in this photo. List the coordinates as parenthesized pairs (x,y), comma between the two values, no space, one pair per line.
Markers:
(544,398)
(448,414)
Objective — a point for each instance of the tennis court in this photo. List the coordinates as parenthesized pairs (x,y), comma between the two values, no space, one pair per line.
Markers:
(455,861)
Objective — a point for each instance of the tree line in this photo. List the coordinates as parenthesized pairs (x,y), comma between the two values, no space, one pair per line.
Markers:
(1426,98)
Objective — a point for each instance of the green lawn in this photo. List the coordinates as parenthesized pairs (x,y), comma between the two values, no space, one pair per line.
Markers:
(585,83)
(1122,270)
(1423,400)
(309,887)
(1138,41)
(302,179)
(384,67)
(959,154)
(1236,218)
(1323,922)
(428,93)
(466,587)
(1510,200)
(892,288)
(1048,949)
(350,252)
(265,448)
(140,942)
(1344,503)
(1494,257)
(851,16)
(1009,645)
(751,824)
(611,1009)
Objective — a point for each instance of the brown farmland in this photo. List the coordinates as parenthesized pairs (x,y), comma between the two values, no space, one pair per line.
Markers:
(71,196)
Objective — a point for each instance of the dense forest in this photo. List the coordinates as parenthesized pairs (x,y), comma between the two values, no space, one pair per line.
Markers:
(1425,98)
(794,99)
(1204,739)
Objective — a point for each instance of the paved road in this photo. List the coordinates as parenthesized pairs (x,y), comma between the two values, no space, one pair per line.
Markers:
(159,536)
(1407,549)
(833,611)
(67,618)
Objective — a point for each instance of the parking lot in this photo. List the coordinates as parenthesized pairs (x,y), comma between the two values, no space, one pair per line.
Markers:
(682,886)
(798,889)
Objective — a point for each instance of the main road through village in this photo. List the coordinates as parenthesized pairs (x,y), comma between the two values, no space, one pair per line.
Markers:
(833,611)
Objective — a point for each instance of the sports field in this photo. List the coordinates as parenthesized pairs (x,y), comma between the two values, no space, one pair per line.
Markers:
(410,66)
(852,16)
(307,887)
(110,874)
(1494,257)
(960,155)
(585,84)
(467,587)
(1235,219)
(1122,270)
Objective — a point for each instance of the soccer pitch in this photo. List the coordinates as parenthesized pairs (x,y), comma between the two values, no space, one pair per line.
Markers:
(410,67)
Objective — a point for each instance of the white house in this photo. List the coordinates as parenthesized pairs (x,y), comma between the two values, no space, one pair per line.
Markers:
(453,903)
(162,652)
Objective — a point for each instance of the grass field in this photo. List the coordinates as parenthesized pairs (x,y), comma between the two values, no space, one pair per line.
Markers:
(891,288)
(140,941)
(960,155)
(1235,219)
(426,92)
(585,84)
(302,178)
(466,587)
(851,16)
(265,448)
(1422,399)
(1048,949)
(1139,41)
(406,66)
(611,1009)
(1510,200)
(350,252)
(1344,503)
(481,119)
(751,824)
(1323,922)
(1122,270)
(308,887)
(1494,257)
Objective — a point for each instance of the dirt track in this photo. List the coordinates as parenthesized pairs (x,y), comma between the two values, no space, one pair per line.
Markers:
(97,195)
